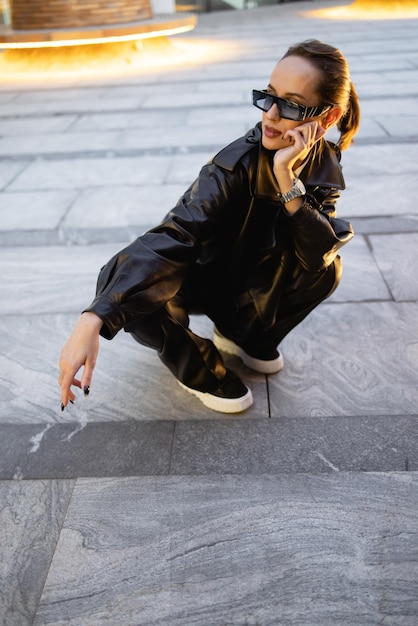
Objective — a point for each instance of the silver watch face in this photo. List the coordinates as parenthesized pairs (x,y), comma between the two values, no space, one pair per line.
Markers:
(299,184)
(297,190)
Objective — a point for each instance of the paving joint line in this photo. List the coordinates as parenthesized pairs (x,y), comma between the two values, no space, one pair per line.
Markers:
(183,150)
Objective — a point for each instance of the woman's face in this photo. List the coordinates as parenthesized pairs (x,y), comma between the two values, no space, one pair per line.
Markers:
(294,78)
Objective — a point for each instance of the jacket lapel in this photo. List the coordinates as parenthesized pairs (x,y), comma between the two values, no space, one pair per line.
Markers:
(322,169)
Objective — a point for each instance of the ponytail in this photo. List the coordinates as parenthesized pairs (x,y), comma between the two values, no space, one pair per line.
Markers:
(349,123)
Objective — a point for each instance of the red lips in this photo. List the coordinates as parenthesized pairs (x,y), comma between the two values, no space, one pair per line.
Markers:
(271,133)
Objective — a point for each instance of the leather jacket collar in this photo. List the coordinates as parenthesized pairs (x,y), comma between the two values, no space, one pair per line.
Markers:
(322,169)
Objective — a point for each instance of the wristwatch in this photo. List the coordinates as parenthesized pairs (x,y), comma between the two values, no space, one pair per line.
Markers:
(297,190)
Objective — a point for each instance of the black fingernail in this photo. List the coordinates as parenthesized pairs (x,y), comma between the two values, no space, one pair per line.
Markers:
(72,401)
(86,390)
(62,406)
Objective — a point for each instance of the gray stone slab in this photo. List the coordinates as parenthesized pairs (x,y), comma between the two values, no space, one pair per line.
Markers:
(130,382)
(38,210)
(349,359)
(380,160)
(73,449)
(181,137)
(403,126)
(36,125)
(242,85)
(79,173)
(375,86)
(51,279)
(117,207)
(375,49)
(336,549)
(188,100)
(397,258)
(31,516)
(385,106)
(128,120)
(203,117)
(145,86)
(56,96)
(120,141)
(362,280)
(72,236)
(260,69)
(103,79)
(58,143)
(408,76)
(66,107)
(185,167)
(386,224)
(290,445)
(372,194)
(7,97)
(367,82)
(225,445)
(9,170)
(370,128)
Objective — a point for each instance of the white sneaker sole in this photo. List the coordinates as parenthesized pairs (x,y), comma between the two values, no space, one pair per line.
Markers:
(222,405)
(258,365)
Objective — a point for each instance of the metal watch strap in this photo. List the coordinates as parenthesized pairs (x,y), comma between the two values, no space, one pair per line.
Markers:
(296,191)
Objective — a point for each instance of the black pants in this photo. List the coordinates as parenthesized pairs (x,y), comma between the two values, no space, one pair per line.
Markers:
(195,361)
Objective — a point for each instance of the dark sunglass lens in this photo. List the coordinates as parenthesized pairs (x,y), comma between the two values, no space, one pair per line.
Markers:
(287,110)
(261,101)
(291,111)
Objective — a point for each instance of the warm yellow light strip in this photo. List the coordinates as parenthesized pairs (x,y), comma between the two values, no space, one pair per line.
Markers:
(105,39)
(363,10)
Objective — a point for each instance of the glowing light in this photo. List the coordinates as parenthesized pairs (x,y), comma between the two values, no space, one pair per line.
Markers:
(369,9)
(159,26)
(13,45)
(108,60)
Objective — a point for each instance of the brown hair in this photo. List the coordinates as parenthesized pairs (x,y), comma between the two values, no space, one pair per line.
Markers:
(335,87)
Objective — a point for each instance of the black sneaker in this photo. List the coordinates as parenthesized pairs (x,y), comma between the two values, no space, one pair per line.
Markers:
(271,364)
(231,396)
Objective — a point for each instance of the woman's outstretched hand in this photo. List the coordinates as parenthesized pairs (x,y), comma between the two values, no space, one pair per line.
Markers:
(80,350)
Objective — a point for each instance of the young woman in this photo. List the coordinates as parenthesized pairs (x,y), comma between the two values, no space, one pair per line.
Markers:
(252,243)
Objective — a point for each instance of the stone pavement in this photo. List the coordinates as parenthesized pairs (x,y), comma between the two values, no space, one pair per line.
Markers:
(137,506)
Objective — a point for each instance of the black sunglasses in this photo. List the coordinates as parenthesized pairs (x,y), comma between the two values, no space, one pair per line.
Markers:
(287,109)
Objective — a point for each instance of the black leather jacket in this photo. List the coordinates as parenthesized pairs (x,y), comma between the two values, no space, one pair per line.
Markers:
(228,241)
